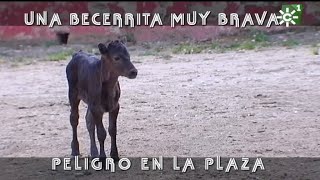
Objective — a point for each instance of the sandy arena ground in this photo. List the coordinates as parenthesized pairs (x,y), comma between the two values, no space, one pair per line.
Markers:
(263,103)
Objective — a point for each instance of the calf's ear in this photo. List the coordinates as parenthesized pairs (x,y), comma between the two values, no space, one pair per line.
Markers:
(102,48)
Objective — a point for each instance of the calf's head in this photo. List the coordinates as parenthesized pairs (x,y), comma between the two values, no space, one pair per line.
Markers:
(116,58)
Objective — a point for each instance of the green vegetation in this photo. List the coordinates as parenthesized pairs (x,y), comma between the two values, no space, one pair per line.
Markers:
(136,62)
(290,43)
(130,38)
(254,40)
(19,61)
(260,36)
(159,49)
(188,48)
(166,56)
(243,45)
(248,45)
(50,43)
(223,47)
(147,53)
(60,55)
(315,49)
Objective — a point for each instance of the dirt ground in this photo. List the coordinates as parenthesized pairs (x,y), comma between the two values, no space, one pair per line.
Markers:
(241,104)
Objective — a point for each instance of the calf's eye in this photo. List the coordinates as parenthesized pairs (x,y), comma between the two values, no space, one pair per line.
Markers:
(117,58)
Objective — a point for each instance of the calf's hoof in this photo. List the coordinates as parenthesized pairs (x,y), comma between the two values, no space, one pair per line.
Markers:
(94,152)
(115,158)
(76,153)
(75,149)
(102,155)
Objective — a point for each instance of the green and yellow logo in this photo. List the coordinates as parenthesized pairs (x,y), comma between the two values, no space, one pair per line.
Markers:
(291,14)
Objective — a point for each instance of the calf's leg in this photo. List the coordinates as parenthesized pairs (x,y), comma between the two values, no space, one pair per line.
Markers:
(102,134)
(113,115)
(91,119)
(74,120)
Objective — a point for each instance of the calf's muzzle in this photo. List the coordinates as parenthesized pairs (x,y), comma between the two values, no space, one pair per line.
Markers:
(133,73)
